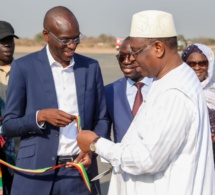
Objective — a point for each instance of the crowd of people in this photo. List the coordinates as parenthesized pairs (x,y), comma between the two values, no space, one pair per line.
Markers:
(162,112)
(7,46)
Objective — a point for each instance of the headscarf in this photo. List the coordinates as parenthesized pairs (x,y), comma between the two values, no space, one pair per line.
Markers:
(209,83)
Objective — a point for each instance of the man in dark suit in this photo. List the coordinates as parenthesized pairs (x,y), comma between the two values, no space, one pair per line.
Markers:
(46,89)
(120,95)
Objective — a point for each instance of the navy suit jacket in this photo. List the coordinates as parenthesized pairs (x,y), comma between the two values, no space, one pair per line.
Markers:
(118,109)
(31,88)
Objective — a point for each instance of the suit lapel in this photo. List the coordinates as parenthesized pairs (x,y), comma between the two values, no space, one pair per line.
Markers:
(44,72)
(80,77)
(121,96)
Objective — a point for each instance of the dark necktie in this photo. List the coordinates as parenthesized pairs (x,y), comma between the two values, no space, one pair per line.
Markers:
(138,99)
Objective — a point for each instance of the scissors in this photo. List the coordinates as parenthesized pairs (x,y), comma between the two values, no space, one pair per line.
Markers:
(99,176)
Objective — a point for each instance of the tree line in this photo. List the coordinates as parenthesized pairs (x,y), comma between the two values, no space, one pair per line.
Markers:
(104,40)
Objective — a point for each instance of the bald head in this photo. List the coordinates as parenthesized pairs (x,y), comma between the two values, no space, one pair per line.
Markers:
(58,16)
(61,25)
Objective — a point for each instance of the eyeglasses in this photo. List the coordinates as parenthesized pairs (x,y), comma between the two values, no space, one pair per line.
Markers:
(121,58)
(68,41)
(203,63)
(136,53)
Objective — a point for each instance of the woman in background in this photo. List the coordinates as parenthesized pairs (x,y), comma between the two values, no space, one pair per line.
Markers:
(201,59)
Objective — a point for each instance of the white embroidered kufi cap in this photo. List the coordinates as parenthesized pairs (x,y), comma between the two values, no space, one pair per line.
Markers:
(152,24)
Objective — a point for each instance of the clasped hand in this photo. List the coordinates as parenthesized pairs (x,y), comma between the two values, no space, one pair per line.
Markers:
(55,117)
(60,118)
(84,158)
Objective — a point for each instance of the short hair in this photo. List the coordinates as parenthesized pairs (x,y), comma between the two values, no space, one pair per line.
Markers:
(170,42)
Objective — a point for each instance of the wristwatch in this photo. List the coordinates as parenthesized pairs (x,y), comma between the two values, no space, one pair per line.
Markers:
(93,144)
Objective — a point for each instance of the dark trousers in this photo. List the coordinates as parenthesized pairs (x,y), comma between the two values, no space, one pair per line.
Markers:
(68,181)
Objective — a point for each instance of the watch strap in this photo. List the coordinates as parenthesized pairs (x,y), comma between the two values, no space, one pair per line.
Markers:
(96,139)
(93,144)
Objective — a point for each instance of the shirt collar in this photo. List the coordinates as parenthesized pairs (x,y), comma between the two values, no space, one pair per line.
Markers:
(53,62)
(147,81)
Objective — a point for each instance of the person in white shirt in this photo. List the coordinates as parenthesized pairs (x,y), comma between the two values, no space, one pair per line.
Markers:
(167,149)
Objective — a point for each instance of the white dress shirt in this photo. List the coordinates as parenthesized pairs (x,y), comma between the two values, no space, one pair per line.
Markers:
(65,86)
(167,150)
(131,90)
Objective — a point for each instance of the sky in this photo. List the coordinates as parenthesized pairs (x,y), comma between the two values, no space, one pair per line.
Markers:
(193,18)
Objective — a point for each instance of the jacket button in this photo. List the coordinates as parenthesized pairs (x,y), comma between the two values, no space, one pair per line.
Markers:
(53,158)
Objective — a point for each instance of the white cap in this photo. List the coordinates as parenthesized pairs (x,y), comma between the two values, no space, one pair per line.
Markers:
(152,24)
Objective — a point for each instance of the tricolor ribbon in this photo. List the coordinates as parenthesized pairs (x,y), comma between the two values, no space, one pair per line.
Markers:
(1,182)
(34,171)
(78,166)
(78,122)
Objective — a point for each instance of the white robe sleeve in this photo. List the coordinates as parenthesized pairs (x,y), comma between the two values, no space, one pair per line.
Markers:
(154,139)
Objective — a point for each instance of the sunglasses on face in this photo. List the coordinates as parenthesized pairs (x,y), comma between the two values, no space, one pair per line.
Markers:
(203,63)
(121,58)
